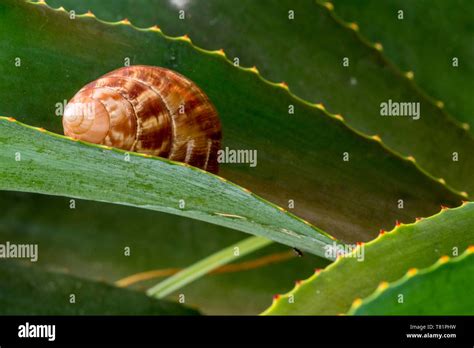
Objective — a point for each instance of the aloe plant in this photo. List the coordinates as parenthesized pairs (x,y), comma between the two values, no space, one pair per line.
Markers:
(67,295)
(399,41)
(385,259)
(411,294)
(353,90)
(331,171)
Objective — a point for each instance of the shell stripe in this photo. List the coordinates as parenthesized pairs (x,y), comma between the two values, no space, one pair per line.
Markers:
(150,110)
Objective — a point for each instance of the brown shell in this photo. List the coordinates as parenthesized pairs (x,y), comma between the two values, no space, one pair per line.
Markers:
(149,110)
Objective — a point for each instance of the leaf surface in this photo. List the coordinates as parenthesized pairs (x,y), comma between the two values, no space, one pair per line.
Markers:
(441,289)
(442,65)
(309,53)
(90,242)
(206,265)
(298,157)
(28,290)
(385,259)
(53,164)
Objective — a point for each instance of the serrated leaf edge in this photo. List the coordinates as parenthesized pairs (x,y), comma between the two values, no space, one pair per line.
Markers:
(382,235)
(411,273)
(168,161)
(377,46)
(282,85)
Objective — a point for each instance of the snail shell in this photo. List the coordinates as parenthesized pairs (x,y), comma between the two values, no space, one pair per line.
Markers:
(149,110)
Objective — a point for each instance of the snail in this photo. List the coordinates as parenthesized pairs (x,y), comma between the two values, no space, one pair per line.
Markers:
(149,110)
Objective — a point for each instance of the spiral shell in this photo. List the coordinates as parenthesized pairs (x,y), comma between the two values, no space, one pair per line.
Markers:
(149,110)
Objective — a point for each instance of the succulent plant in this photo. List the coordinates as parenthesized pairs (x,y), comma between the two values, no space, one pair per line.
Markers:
(368,128)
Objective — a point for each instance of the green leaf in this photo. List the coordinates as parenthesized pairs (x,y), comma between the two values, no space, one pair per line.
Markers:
(27,290)
(90,242)
(206,265)
(442,289)
(384,259)
(53,164)
(300,156)
(308,51)
(449,26)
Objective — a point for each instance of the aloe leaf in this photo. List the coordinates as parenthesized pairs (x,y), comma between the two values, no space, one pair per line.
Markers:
(111,243)
(206,265)
(308,53)
(441,289)
(27,290)
(298,157)
(403,35)
(49,165)
(385,259)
